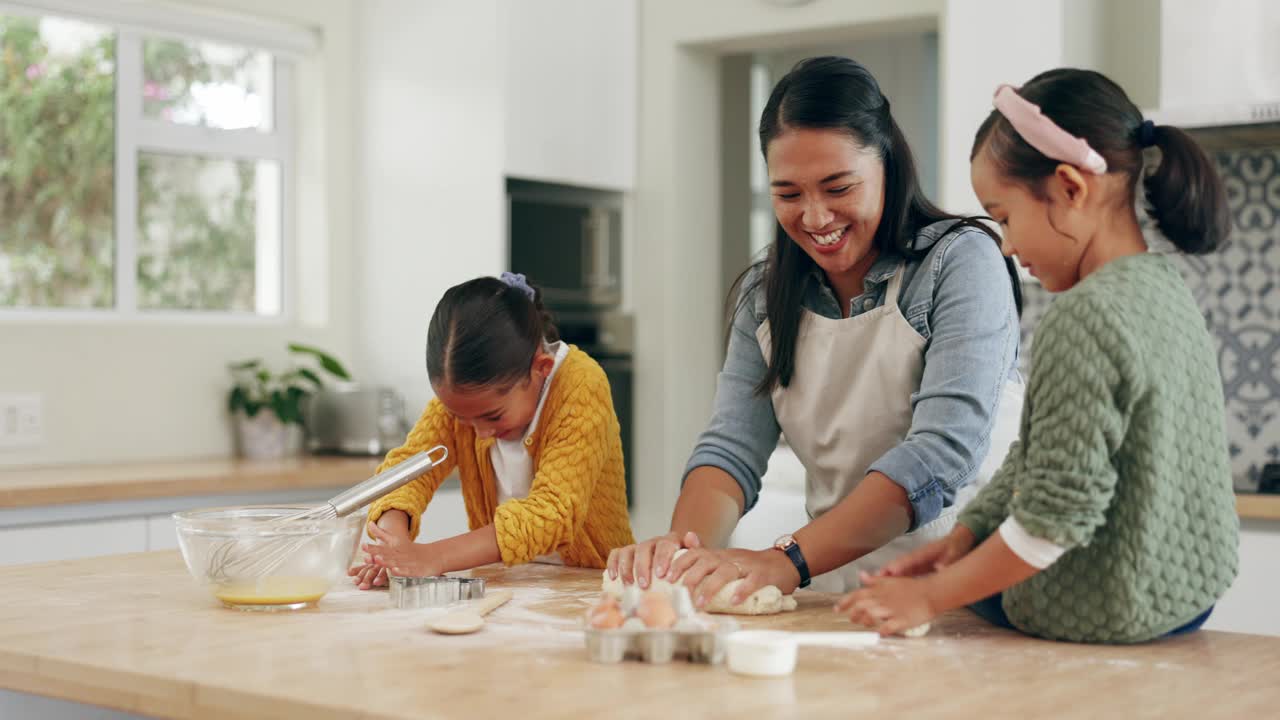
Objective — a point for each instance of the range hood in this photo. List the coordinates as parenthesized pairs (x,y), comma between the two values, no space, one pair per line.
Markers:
(1219,70)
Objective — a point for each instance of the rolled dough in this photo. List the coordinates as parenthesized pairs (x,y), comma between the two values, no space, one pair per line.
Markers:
(768,600)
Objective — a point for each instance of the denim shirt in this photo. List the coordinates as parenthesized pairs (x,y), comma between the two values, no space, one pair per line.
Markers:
(959,298)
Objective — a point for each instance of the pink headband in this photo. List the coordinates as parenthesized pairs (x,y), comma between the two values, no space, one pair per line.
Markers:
(1044,135)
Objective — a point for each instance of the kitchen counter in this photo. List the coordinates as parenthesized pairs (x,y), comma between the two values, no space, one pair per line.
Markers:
(133,632)
(67,484)
(1258,507)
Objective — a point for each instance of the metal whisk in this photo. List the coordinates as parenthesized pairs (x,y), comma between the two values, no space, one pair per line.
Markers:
(275,541)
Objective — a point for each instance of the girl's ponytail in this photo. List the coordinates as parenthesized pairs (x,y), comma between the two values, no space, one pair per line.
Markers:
(1185,194)
(1186,197)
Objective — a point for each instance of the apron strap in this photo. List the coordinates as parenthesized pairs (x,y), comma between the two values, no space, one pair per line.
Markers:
(895,286)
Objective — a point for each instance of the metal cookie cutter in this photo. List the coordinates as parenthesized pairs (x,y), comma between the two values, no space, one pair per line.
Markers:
(422,592)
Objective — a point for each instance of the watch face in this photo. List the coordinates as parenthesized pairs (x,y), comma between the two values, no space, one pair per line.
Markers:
(784,542)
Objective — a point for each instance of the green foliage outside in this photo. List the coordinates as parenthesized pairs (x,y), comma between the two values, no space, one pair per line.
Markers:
(196,229)
(57,165)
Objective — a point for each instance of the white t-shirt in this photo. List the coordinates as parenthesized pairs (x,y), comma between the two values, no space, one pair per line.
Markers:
(1036,552)
(512,465)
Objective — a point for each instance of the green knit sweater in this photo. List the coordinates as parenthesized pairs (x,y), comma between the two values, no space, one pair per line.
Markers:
(1122,460)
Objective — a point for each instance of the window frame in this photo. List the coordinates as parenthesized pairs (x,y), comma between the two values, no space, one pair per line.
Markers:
(135,133)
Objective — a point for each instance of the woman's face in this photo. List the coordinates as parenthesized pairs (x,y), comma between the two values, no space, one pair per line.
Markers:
(828,195)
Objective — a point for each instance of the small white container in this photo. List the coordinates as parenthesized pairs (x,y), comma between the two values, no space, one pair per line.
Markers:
(769,653)
(762,653)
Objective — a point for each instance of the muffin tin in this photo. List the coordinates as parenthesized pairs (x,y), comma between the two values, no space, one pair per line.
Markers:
(656,646)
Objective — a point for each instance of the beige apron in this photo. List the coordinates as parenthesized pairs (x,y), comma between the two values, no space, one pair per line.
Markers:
(849,402)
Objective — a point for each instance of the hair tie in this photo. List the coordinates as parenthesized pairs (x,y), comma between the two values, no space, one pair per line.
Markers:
(1044,134)
(518,281)
(1146,134)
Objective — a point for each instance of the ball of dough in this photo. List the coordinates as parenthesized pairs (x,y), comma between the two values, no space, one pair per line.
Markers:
(767,600)
(917,631)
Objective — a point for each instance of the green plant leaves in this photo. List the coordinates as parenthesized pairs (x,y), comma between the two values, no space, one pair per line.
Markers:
(256,386)
(326,361)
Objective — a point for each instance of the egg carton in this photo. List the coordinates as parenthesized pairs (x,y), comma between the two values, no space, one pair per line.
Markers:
(657,646)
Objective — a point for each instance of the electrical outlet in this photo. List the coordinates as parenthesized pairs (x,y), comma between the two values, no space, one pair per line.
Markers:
(21,420)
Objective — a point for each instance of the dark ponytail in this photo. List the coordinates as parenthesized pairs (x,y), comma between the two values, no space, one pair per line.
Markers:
(485,333)
(1186,197)
(839,93)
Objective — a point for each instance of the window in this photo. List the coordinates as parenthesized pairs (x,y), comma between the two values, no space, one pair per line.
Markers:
(140,172)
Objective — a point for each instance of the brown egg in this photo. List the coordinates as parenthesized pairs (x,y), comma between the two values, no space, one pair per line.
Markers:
(605,617)
(656,610)
(606,613)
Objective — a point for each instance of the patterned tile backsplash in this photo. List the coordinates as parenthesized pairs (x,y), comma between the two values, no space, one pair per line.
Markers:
(1238,288)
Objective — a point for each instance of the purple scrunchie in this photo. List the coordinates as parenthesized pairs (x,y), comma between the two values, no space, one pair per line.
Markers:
(518,281)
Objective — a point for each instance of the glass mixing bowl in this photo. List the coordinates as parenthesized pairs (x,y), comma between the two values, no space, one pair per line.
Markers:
(250,562)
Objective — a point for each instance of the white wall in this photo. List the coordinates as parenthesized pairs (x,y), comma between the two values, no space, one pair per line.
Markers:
(117,390)
(974,57)
(431,198)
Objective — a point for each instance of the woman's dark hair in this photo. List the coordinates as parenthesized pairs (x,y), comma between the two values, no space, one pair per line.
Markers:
(485,333)
(1185,194)
(839,93)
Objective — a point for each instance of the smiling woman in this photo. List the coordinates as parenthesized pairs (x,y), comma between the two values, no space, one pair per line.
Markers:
(879,335)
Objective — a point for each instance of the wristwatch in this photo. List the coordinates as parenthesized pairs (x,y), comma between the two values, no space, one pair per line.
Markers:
(788,545)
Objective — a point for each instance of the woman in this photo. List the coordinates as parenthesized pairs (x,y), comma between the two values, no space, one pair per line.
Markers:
(880,336)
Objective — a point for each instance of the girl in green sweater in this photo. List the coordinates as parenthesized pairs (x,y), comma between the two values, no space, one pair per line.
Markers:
(1112,519)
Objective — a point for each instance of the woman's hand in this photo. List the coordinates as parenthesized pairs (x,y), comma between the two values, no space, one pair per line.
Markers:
(705,572)
(932,557)
(889,605)
(400,555)
(641,562)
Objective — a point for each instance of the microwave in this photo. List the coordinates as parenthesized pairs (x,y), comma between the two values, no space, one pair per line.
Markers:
(567,241)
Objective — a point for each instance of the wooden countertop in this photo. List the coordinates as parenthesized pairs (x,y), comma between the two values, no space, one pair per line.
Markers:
(133,632)
(1258,507)
(131,481)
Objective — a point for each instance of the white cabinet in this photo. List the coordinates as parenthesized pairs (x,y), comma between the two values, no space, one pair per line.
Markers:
(445,516)
(67,532)
(162,534)
(66,541)
(570,98)
(1250,605)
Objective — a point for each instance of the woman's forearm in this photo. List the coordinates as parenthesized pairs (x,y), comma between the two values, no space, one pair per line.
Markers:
(709,505)
(876,512)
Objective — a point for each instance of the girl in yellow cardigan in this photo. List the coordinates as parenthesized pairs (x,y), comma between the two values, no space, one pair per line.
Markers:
(529,424)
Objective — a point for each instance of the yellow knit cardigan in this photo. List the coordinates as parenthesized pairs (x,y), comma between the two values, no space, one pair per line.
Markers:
(577,504)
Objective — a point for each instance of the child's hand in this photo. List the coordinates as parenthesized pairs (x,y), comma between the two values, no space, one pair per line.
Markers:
(889,605)
(932,557)
(368,576)
(399,554)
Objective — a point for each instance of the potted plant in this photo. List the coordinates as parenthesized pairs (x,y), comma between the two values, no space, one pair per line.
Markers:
(267,407)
